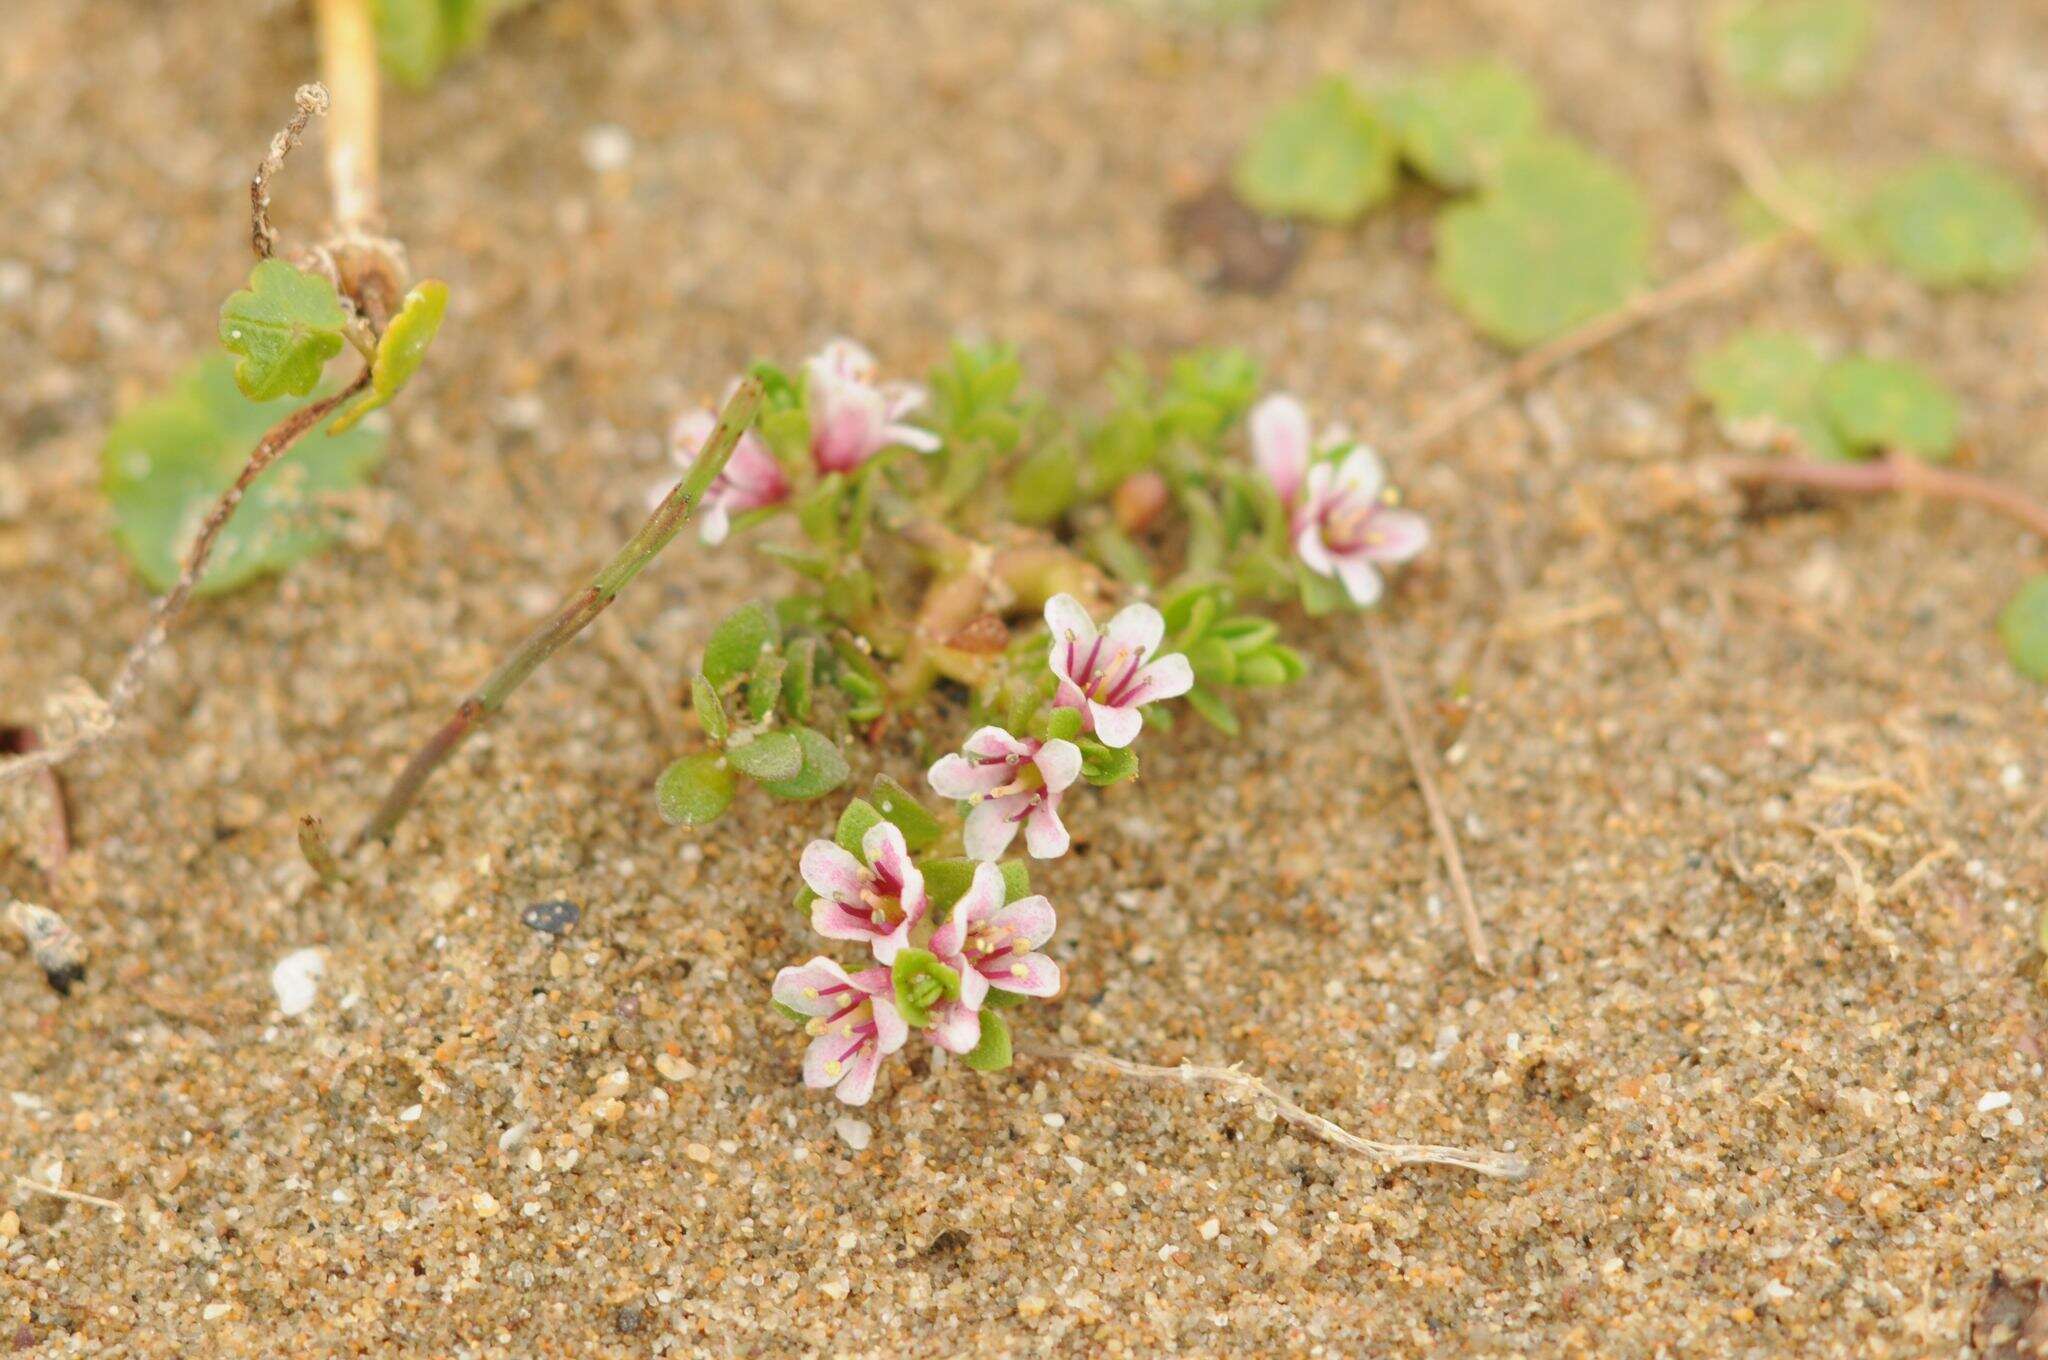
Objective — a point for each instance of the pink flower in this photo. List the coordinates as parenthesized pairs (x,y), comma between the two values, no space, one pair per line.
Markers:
(854,1024)
(993,945)
(1105,675)
(877,903)
(852,418)
(1011,781)
(750,480)
(1339,520)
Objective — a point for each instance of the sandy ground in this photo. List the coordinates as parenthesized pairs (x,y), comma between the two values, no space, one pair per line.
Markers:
(1753,805)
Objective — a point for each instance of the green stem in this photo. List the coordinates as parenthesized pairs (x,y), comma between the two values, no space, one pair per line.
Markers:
(575,614)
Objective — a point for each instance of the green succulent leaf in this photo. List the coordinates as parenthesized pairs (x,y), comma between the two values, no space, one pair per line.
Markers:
(922,982)
(992,1053)
(1560,236)
(1792,49)
(1324,155)
(167,461)
(401,349)
(946,880)
(768,758)
(285,326)
(417,38)
(1105,765)
(1213,709)
(897,805)
(1889,406)
(824,768)
(736,644)
(1063,724)
(710,710)
(1320,595)
(2023,627)
(799,677)
(859,817)
(1045,485)
(1456,124)
(1764,387)
(695,791)
(764,686)
(1950,224)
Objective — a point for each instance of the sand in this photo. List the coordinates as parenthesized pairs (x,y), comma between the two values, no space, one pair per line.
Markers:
(1752,804)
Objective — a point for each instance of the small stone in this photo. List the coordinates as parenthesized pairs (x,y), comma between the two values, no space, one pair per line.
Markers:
(1054,1120)
(1031,1306)
(629,1318)
(410,1114)
(853,1132)
(837,1289)
(216,1310)
(673,1068)
(485,1204)
(1210,1228)
(697,1152)
(10,1226)
(607,147)
(296,980)
(557,917)
(1994,1100)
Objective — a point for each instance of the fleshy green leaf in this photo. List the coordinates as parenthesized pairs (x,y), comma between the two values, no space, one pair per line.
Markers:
(710,712)
(1214,711)
(2023,627)
(1793,49)
(1764,387)
(736,644)
(1324,155)
(1560,236)
(764,686)
(922,982)
(768,758)
(285,326)
(896,803)
(1950,224)
(1455,125)
(401,349)
(166,462)
(1045,485)
(1888,406)
(1063,724)
(1016,879)
(824,769)
(945,880)
(1105,765)
(859,817)
(798,679)
(992,1054)
(695,791)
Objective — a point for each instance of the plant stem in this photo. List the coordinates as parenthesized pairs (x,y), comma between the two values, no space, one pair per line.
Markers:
(312,102)
(575,614)
(1885,476)
(135,666)
(1420,762)
(348,67)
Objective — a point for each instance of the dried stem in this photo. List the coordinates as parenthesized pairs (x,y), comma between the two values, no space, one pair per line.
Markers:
(1422,762)
(1885,476)
(312,103)
(135,666)
(74,1196)
(1487,1163)
(348,66)
(575,614)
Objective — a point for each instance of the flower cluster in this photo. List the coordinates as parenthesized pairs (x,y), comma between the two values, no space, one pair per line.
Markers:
(1338,516)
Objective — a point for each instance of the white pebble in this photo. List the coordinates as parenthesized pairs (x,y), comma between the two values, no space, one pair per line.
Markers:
(853,1132)
(296,980)
(410,1114)
(607,147)
(1054,1120)
(1210,1228)
(1994,1100)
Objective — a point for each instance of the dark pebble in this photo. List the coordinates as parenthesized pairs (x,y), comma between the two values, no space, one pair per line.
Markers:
(552,918)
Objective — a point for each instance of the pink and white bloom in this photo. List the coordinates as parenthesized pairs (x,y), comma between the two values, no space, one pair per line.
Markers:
(750,480)
(994,945)
(853,1024)
(852,417)
(1338,516)
(1108,674)
(1012,782)
(878,903)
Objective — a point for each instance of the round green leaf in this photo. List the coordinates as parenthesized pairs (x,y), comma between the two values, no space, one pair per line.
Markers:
(1886,405)
(769,758)
(1793,49)
(166,462)
(2023,626)
(1764,387)
(736,644)
(695,790)
(992,1053)
(1324,155)
(1455,125)
(401,349)
(824,769)
(1561,236)
(285,326)
(1950,223)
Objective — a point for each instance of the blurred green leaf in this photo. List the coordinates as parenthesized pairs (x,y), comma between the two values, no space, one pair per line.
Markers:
(167,461)
(1792,49)
(1456,124)
(1825,197)
(1950,223)
(1324,155)
(2023,627)
(1559,237)
(401,349)
(695,791)
(285,326)
(1885,405)
(1765,386)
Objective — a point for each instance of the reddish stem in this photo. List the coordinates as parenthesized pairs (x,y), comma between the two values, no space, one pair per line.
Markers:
(1885,476)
